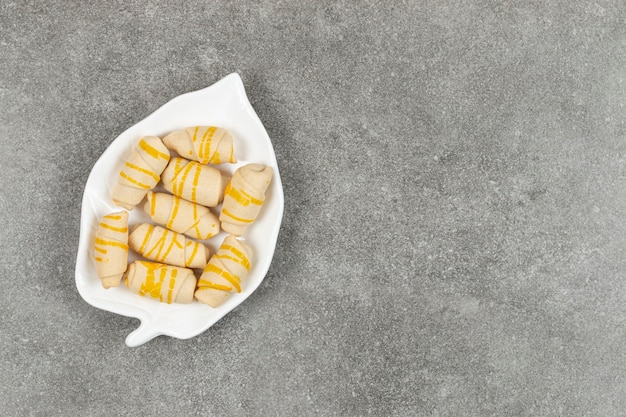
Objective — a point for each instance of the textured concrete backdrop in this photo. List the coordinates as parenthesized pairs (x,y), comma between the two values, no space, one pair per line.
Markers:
(454,233)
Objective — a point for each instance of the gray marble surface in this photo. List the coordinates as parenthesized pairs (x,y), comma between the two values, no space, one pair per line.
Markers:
(454,234)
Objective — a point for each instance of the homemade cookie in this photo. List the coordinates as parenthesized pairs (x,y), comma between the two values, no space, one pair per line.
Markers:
(224,272)
(205,144)
(141,172)
(111,248)
(166,283)
(244,196)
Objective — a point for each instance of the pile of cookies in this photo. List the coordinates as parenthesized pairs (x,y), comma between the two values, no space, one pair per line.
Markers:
(183,218)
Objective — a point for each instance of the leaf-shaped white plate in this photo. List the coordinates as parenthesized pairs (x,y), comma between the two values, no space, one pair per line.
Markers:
(223,104)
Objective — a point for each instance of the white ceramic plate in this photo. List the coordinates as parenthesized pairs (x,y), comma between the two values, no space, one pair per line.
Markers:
(223,104)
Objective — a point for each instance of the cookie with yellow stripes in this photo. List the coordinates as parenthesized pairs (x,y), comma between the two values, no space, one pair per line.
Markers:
(141,172)
(204,144)
(182,216)
(244,197)
(225,272)
(165,283)
(163,245)
(111,248)
(195,182)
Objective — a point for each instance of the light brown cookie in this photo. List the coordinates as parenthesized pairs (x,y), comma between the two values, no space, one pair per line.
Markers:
(225,272)
(205,144)
(243,197)
(111,248)
(195,182)
(141,172)
(166,283)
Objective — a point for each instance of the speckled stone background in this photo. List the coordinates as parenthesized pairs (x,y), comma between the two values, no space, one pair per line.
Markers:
(455,223)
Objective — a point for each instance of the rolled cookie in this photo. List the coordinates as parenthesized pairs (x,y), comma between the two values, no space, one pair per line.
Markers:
(225,272)
(244,196)
(166,283)
(111,248)
(195,182)
(141,172)
(205,144)
(162,245)
(182,216)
